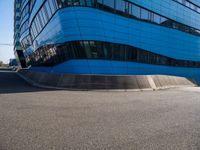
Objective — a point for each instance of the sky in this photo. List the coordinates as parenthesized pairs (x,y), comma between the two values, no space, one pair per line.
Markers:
(6,30)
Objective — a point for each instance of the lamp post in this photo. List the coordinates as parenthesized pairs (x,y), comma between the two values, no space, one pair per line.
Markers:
(5,44)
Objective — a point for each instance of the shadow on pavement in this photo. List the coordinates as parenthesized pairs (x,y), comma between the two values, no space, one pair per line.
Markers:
(10,82)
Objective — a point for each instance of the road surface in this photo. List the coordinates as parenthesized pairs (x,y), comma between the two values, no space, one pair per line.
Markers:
(38,119)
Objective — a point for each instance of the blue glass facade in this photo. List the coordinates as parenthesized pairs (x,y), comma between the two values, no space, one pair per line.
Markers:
(112,37)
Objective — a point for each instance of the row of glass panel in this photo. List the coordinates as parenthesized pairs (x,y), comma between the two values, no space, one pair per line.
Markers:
(56,54)
(24,12)
(24,27)
(189,5)
(42,17)
(26,42)
(27,9)
(32,3)
(121,7)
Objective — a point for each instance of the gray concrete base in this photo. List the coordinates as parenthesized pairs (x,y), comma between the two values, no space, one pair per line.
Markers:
(101,82)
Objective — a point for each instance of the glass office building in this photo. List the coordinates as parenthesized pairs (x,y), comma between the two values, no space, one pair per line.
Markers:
(111,37)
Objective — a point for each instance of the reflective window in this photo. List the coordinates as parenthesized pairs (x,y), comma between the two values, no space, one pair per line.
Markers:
(163,20)
(24,12)
(145,14)
(32,4)
(120,5)
(135,11)
(189,5)
(51,55)
(156,18)
(110,3)
(89,3)
(82,3)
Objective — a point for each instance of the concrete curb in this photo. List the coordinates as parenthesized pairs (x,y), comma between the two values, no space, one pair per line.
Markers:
(103,83)
(31,82)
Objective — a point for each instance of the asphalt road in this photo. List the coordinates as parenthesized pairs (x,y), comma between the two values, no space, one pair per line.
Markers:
(37,119)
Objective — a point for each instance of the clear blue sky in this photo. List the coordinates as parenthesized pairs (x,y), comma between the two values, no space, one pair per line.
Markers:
(6,29)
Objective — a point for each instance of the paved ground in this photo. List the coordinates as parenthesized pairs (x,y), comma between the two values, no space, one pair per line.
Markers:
(38,119)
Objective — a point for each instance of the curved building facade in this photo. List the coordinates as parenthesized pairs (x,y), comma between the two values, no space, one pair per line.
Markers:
(112,37)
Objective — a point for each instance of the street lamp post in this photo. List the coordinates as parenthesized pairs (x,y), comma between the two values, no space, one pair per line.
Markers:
(5,44)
